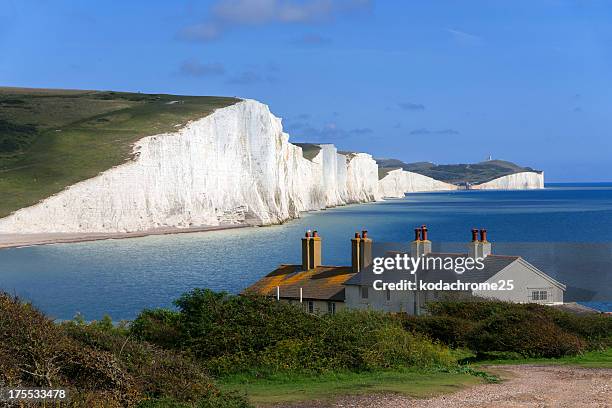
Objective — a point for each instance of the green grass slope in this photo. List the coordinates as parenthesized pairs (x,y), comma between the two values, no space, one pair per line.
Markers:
(50,139)
(475,173)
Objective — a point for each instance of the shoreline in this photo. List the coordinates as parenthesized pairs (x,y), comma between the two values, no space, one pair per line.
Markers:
(26,240)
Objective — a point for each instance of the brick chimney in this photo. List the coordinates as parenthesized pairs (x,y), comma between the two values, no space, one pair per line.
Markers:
(365,250)
(311,250)
(356,252)
(479,248)
(306,265)
(421,244)
(474,245)
(426,247)
(485,246)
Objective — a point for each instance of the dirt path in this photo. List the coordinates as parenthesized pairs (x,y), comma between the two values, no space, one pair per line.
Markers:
(523,386)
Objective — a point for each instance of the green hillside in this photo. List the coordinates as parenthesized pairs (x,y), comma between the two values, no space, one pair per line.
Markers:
(50,139)
(475,173)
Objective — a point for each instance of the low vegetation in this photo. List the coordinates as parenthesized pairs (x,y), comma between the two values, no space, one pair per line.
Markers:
(257,335)
(50,139)
(214,347)
(101,364)
(501,330)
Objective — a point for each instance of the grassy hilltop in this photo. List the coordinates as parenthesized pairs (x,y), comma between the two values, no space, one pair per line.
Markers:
(50,139)
(475,173)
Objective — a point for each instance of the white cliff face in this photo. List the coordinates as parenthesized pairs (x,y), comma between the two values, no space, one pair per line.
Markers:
(234,166)
(527,180)
(398,182)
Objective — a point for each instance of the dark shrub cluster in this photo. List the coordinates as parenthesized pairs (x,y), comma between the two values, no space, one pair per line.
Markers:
(528,330)
(104,365)
(253,333)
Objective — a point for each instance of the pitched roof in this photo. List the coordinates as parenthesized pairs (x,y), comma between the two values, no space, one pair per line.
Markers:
(492,265)
(321,283)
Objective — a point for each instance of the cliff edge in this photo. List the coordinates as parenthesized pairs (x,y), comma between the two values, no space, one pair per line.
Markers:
(235,166)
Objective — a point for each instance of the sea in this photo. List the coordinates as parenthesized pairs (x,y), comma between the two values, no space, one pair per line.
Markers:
(564,229)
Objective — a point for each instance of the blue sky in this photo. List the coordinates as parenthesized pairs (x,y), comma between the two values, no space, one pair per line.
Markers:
(440,81)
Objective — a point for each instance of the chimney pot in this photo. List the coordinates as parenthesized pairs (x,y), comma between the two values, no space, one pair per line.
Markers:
(424,232)
(315,233)
(307,235)
(357,235)
(483,235)
(364,233)
(474,235)
(417,234)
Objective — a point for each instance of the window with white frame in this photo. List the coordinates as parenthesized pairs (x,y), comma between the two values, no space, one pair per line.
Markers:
(331,307)
(539,295)
(310,306)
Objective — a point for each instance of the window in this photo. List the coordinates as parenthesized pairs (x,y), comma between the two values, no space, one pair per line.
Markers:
(331,308)
(310,306)
(388,295)
(539,295)
(364,292)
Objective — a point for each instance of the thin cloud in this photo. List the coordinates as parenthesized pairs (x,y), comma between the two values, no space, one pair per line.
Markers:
(197,69)
(225,15)
(329,132)
(409,106)
(464,38)
(424,132)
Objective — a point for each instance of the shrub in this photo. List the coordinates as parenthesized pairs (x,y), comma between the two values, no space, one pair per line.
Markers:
(530,330)
(250,333)
(214,324)
(158,326)
(528,335)
(447,329)
(36,353)
(596,329)
(394,347)
(104,364)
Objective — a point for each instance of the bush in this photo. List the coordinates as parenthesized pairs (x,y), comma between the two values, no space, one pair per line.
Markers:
(216,324)
(530,330)
(104,364)
(447,329)
(596,329)
(158,326)
(528,335)
(394,348)
(36,353)
(250,333)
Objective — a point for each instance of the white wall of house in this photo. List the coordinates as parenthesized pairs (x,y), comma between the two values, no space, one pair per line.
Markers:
(527,280)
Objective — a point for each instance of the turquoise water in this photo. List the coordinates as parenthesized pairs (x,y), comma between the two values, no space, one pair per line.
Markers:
(121,277)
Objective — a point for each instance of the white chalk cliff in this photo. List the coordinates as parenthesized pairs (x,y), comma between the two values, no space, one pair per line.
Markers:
(398,182)
(527,180)
(235,166)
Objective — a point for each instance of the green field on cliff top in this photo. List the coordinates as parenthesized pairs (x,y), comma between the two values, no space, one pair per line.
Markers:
(458,174)
(50,139)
